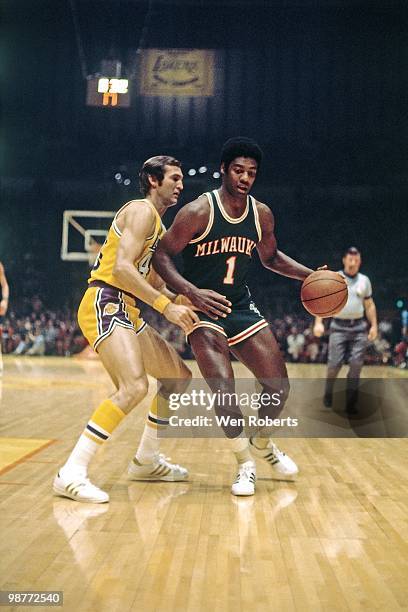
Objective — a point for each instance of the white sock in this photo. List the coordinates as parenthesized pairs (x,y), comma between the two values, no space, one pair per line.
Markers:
(81,456)
(149,445)
(240,448)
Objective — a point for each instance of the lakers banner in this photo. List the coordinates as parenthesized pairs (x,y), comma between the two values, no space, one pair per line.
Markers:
(177,72)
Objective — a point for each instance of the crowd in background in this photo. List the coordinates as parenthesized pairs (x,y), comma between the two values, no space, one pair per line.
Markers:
(31,329)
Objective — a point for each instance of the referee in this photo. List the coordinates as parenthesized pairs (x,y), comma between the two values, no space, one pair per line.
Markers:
(348,330)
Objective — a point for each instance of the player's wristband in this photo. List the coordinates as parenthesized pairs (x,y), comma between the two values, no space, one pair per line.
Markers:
(160,304)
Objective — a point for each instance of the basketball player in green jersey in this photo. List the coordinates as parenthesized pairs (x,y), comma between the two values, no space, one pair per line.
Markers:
(216,234)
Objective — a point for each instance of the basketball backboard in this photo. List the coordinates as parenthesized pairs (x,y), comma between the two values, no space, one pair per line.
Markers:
(83,231)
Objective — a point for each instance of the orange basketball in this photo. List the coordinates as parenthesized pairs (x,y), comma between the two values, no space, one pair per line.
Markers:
(324,293)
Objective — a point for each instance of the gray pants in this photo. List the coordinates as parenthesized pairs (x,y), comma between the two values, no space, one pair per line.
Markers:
(346,338)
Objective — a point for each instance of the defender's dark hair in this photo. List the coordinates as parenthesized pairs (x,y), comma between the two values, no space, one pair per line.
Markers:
(240,147)
(155,167)
(351,251)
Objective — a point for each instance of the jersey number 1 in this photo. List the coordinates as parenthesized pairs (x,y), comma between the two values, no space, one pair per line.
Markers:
(229,277)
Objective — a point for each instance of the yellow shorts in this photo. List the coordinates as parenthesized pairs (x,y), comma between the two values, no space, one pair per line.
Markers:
(102,309)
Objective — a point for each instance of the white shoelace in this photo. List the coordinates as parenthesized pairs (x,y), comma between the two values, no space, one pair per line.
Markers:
(246,472)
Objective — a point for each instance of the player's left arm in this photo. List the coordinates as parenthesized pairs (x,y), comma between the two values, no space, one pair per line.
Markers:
(270,256)
(371,314)
(5,291)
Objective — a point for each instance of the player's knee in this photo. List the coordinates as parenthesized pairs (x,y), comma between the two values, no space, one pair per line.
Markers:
(132,393)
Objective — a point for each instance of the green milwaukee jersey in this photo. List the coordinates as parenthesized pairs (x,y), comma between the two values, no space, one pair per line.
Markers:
(219,259)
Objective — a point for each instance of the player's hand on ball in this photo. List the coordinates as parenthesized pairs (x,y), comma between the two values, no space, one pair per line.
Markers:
(322,267)
(182,316)
(210,302)
(318,330)
(372,333)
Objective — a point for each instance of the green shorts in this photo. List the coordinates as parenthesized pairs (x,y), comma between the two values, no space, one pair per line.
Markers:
(244,321)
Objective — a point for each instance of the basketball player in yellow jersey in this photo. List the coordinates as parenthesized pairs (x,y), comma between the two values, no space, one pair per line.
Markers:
(3,307)
(129,349)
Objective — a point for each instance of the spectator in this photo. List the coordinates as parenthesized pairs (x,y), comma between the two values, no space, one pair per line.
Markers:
(312,350)
(382,349)
(37,342)
(23,342)
(295,342)
(385,328)
(401,354)
(50,336)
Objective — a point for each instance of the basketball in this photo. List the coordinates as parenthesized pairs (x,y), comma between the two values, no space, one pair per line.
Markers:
(324,293)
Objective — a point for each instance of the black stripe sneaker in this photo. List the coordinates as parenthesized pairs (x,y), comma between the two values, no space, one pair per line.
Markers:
(244,483)
(282,465)
(159,469)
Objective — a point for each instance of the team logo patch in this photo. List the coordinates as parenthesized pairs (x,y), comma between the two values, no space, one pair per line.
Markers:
(110,309)
(254,308)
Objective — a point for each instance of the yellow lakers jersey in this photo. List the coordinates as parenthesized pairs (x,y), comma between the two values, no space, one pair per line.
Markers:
(104,264)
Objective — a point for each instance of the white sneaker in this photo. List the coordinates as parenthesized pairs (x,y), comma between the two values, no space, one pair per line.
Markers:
(159,469)
(245,481)
(79,488)
(278,460)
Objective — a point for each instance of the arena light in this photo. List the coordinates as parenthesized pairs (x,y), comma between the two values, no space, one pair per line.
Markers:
(192,172)
(216,175)
(202,169)
(118,176)
(127,182)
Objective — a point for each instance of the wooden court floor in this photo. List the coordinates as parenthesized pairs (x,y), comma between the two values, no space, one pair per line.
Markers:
(334,540)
